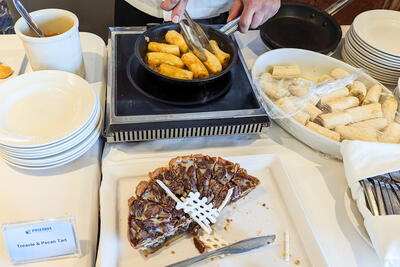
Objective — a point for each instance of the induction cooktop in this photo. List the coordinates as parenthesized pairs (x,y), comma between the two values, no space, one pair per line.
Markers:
(140,107)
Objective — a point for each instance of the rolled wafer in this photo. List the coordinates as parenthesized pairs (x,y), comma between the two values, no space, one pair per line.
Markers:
(358,89)
(389,108)
(324,77)
(377,124)
(391,134)
(335,94)
(341,103)
(351,115)
(312,110)
(356,133)
(323,131)
(373,95)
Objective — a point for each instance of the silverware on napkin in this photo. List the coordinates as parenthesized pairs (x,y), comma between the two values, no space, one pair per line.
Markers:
(238,247)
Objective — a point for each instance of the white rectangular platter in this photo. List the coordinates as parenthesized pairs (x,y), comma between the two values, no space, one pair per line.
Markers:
(264,211)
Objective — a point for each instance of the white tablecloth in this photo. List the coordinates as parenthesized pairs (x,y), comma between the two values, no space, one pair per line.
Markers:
(71,190)
(319,180)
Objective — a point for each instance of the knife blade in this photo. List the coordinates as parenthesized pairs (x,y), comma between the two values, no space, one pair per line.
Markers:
(238,247)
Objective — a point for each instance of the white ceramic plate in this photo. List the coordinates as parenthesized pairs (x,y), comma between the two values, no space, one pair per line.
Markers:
(380,29)
(62,157)
(315,65)
(42,107)
(55,148)
(370,51)
(249,218)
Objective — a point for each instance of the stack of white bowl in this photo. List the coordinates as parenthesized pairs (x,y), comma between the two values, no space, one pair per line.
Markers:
(373,43)
(47,119)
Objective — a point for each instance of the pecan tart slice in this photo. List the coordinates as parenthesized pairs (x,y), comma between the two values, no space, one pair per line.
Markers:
(153,220)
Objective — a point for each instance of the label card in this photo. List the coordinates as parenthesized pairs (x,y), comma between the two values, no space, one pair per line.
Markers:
(41,240)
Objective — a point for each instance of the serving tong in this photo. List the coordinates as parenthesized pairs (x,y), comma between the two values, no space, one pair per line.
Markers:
(197,39)
(382,193)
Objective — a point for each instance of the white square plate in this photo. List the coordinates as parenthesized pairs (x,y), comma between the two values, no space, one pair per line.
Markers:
(250,218)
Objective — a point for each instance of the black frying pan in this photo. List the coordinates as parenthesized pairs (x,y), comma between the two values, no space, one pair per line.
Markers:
(298,25)
(157,34)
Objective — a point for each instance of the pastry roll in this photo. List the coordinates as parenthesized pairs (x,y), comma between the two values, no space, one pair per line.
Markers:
(165,48)
(284,71)
(373,95)
(157,58)
(335,94)
(356,114)
(355,133)
(391,134)
(338,73)
(312,110)
(173,37)
(389,109)
(324,77)
(358,89)
(341,103)
(288,105)
(174,72)
(195,65)
(212,63)
(377,124)
(221,55)
(323,131)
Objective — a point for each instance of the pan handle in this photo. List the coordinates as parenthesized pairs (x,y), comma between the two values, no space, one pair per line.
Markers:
(337,6)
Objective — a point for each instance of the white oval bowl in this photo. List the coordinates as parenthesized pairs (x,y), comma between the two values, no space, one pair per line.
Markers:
(315,65)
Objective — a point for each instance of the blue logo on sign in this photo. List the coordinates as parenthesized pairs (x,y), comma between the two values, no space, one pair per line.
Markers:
(28,232)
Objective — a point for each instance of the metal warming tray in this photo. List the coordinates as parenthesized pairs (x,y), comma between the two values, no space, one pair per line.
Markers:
(132,114)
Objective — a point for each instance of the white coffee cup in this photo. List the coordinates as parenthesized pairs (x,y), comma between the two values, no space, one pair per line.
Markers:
(59,52)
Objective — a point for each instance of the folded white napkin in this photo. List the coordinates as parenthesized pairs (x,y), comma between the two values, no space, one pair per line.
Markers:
(362,160)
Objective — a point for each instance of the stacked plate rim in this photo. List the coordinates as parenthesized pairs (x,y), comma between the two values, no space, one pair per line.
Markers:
(47,119)
(373,43)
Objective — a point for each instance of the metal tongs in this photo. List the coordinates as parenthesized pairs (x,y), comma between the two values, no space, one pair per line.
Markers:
(197,39)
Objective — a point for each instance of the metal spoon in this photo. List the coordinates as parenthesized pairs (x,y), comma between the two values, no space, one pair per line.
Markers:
(22,11)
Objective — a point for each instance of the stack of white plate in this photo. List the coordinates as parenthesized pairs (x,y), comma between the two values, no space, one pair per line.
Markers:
(47,119)
(373,43)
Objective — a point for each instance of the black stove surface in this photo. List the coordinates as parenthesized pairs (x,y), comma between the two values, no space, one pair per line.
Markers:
(137,94)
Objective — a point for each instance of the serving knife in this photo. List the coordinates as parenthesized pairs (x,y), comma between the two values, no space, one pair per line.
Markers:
(238,247)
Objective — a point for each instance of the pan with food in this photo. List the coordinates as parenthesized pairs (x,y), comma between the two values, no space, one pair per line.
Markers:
(162,51)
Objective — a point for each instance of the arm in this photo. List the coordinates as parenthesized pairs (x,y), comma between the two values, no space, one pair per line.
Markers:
(253,12)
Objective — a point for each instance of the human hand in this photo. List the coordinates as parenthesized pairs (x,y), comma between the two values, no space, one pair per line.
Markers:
(253,12)
(177,6)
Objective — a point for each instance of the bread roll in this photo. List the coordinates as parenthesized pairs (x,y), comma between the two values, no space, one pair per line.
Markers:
(287,104)
(335,94)
(165,48)
(338,73)
(174,72)
(373,95)
(157,58)
(341,103)
(324,77)
(212,63)
(377,124)
(323,131)
(351,115)
(355,133)
(358,89)
(389,108)
(173,37)
(195,65)
(312,110)
(391,134)
(221,55)
(285,71)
